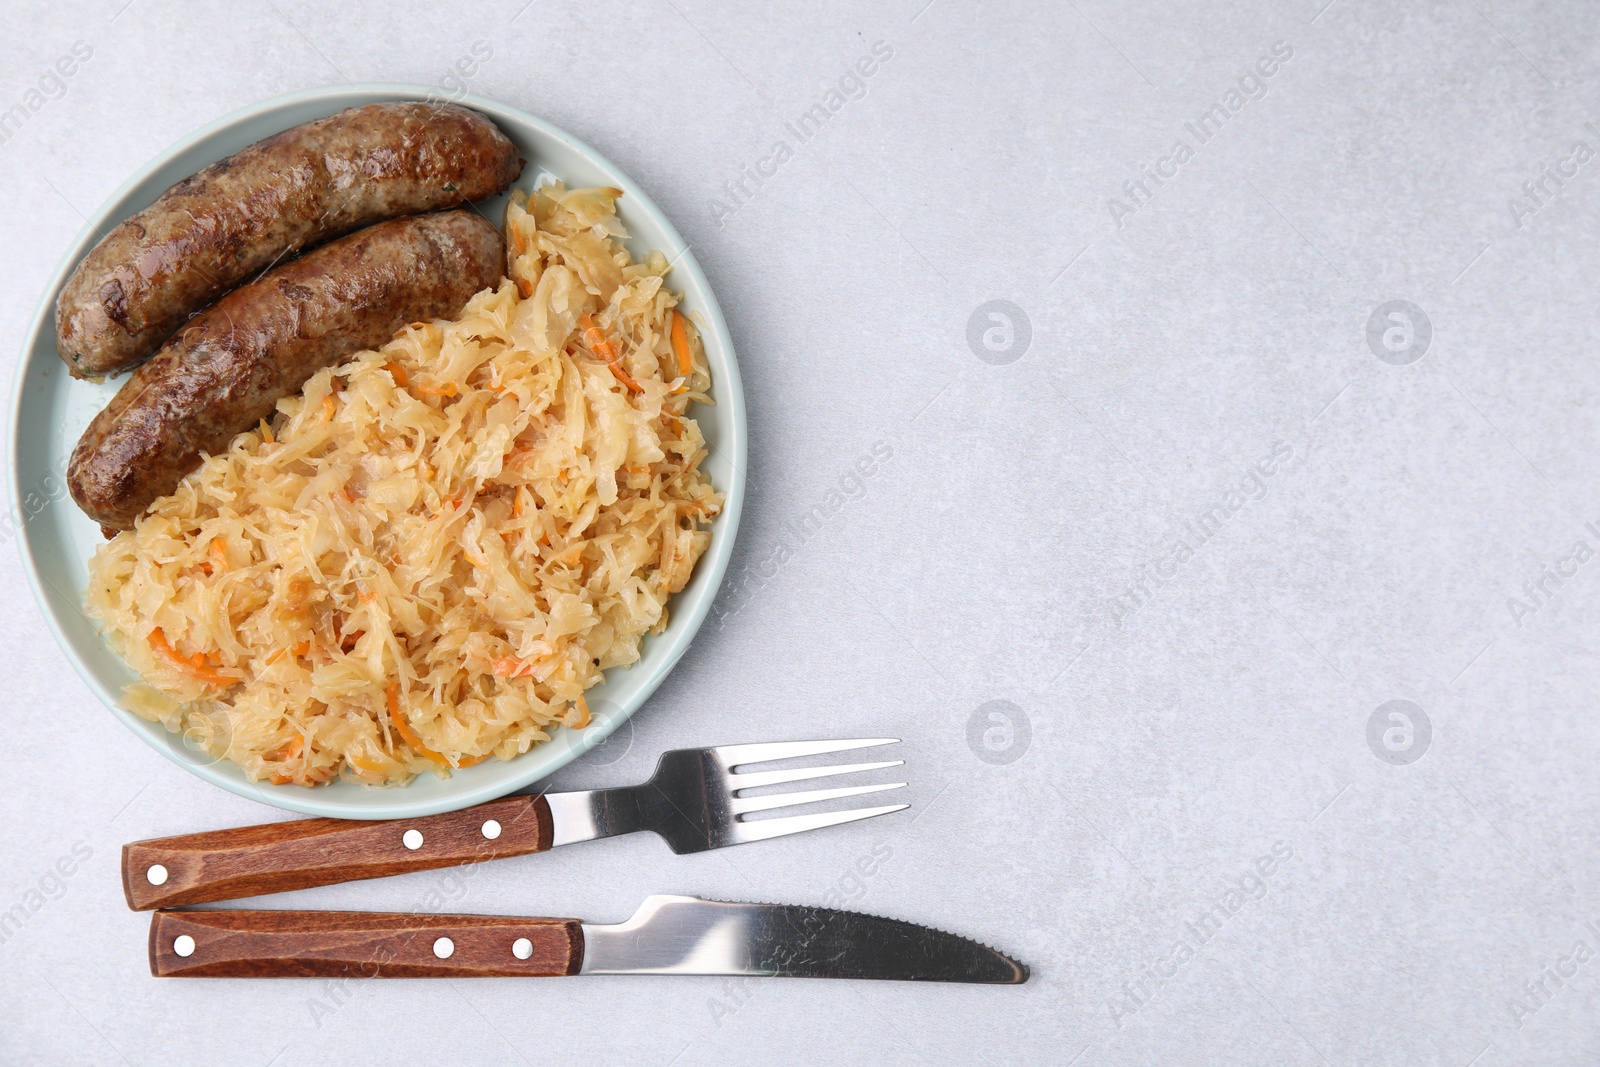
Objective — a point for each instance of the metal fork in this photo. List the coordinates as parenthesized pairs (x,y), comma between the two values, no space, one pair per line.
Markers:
(693,801)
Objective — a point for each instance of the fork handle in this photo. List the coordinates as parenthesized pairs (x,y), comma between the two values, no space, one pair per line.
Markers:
(277,857)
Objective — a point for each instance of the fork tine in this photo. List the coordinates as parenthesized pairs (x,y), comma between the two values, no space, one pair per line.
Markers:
(757,779)
(739,755)
(784,800)
(745,832)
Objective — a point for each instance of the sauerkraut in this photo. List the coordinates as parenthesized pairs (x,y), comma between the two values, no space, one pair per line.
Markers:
(427,556)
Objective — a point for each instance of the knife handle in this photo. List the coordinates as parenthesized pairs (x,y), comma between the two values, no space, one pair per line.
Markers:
(277,857)
(356,944)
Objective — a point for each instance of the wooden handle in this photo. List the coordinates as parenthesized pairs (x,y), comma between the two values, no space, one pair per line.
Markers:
(357,944)
(226,864)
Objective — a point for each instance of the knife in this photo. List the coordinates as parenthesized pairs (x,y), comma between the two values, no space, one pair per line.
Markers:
(667,935)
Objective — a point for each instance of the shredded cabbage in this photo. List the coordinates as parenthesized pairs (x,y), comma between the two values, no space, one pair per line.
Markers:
(434,549)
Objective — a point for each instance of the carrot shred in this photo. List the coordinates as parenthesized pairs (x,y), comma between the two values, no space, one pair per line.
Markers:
(266,432)
(410,736)
(327,408)
(680,345)
(524,498)
(601,346)
(581,706)
(201,669)
(518,245)
(291,750)
(397,372)
(435,390)
(364,765)
(511,667)
(596,338)
(219,553)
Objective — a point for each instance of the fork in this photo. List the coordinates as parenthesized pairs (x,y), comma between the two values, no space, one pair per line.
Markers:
(692,801)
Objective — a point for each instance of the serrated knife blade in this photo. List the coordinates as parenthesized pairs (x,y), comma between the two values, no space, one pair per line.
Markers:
(687,935)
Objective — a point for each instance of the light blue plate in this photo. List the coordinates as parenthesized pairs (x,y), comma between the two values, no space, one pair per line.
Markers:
(49,410)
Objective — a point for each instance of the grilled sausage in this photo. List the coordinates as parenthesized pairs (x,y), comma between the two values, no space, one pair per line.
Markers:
(289,192)
(226,371)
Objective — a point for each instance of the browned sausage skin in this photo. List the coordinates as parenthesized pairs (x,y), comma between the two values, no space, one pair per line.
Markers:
(239,216)
(227,370)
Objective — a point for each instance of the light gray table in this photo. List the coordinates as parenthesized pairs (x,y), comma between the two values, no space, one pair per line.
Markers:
(1186,517)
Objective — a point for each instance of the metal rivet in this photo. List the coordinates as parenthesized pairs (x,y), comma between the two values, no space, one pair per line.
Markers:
(522,948)
(157,875)
(183,945)
(443,948)
(491,829)
(412,839)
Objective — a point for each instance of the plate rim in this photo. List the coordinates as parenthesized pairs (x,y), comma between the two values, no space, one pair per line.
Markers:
(391,802)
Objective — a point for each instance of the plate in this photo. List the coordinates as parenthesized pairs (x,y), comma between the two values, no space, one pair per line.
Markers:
(49,411)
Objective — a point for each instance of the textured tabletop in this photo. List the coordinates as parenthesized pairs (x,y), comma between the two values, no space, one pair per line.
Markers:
(1176,421)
